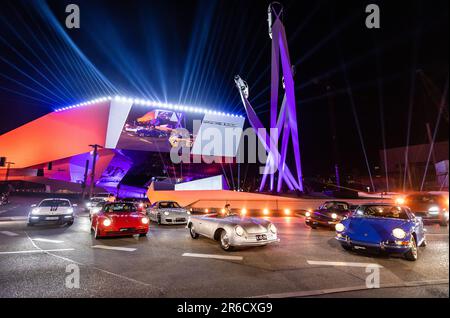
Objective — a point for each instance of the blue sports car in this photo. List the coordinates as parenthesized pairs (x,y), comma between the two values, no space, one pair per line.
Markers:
(382,228)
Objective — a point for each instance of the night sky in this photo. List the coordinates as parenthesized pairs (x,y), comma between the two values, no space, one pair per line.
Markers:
(189,51)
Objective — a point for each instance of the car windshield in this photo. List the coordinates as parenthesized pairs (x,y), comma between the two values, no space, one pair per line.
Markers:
(120,207)
(169,205)
(334,205)
(53,203)
(427,199)
(382,211)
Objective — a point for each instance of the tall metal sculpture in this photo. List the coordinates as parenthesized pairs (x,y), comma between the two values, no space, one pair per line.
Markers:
(285,121)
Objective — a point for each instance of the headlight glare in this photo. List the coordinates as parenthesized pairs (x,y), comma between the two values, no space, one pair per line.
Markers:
(334,216)
(144,221)
(35,211)
(399,233)
(340,227)
(239,230)
(106,222)
(166,213)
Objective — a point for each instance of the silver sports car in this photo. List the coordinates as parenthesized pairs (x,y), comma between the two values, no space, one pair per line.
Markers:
(167,212)
(233,230)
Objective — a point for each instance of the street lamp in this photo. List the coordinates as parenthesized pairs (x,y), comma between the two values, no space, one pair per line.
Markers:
(94,161)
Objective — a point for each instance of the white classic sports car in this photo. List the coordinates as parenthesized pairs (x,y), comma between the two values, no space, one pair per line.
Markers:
(52,210)
(233,230)
(167,212)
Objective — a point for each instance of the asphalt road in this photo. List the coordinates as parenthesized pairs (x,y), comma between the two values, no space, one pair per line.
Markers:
(306,263)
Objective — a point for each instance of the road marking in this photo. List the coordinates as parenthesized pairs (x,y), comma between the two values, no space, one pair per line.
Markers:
(309,293)
(117,248)
(46,240)
(233,258)
(37,251)
(13,218)
(94,267)
(9,233)
(349,264)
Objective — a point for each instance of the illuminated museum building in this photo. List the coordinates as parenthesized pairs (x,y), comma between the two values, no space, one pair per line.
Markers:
(134,137)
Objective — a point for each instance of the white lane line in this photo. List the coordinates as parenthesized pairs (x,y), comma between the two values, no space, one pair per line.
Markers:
(348,264)
(117,248)
(309,293)
(94,267)
(46,240)
(233,258)
(8,233)
(37,251)
(13,218)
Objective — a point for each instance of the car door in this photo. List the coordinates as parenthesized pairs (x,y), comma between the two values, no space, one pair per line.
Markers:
(208,225)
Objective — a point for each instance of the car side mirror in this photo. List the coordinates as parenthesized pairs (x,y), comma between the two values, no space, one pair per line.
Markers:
(33,205)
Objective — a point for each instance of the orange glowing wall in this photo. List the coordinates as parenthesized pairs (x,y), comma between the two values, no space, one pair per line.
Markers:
(56,135)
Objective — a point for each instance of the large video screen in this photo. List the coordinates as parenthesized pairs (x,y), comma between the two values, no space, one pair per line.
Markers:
(157,129)
(152,129)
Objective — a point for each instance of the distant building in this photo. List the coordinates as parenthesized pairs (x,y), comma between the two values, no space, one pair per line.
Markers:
(409,175)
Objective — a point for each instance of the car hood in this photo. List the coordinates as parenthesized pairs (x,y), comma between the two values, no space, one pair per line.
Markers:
(373,229)
(329,212)
(250,225)
(55,210)
(174,211)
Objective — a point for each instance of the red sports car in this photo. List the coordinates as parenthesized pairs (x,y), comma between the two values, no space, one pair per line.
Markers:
(119,219)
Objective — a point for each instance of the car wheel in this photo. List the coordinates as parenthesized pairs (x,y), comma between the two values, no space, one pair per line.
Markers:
(194,235)
(225,241)
(30,224)
(142,234)
(412,254)
(69,223)
(346,247)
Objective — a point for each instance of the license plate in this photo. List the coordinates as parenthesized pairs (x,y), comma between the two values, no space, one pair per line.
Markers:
(50,218)
(125,230)
(359,247)
(261,237)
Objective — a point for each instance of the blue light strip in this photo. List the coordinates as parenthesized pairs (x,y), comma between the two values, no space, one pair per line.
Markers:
(149,103)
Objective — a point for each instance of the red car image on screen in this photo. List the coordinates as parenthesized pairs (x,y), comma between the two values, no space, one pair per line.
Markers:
(119,219)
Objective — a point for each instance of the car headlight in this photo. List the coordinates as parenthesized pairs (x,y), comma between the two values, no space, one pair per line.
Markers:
(434,210)
(308,214)
(166,213)
(144,221)
(340,227)
(106,222)
(334,216)
(96,210)
(35,211)
(399,233)
(88,205)
(400,201)
(272,228)
(69,210)
(239,230)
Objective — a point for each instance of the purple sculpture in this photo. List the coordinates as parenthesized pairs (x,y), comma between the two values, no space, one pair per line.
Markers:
(285,121)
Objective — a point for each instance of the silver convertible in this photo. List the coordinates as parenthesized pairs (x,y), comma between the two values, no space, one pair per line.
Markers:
(233,230)
(167,212)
